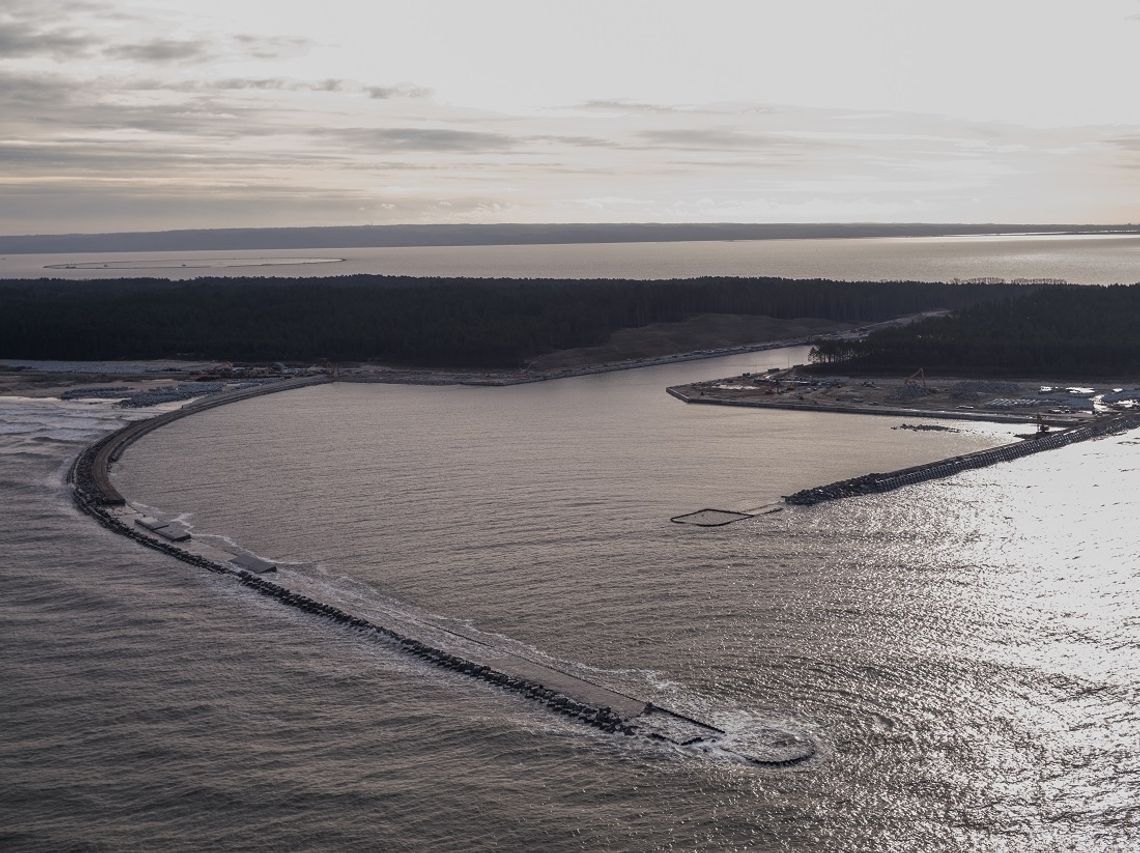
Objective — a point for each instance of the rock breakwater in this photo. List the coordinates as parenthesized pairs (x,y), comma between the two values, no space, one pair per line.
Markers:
(876,483)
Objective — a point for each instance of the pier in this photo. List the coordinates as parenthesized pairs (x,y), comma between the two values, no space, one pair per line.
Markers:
(875,483)
(580,699)
(868,484)
(1074,428)
(96,460)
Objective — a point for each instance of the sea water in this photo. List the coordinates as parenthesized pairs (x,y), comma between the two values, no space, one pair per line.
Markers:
(962,651)
(1081,259)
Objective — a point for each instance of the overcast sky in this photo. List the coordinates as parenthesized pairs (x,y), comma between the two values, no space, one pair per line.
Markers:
(157,114)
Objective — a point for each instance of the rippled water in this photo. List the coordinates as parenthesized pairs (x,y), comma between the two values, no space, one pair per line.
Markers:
(963,651)
(1084,259)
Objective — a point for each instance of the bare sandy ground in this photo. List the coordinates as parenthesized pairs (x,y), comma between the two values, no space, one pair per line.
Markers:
(1058,402)
(28,378)
(704,331)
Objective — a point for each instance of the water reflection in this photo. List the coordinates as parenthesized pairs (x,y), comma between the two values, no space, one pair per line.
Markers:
(962,647)
(1088,258)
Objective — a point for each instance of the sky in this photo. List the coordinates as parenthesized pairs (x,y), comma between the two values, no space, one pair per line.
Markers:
(155,114)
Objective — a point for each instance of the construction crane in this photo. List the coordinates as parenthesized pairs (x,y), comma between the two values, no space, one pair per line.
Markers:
(917,380)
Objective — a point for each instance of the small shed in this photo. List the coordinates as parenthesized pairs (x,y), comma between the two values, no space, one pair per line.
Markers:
(170,530)
(253,564)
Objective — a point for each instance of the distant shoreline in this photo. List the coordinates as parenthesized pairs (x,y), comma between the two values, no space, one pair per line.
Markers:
(503,234)
(46,378)
(134,265)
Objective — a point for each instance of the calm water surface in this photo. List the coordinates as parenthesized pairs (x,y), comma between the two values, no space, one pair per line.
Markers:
(1086,259)
(963,651)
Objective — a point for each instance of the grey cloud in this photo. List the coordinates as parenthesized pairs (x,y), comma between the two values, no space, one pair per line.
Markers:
(43,207)
(616,105)
(626,106)
(200,118)
(24,32)
(236,84)
(242,83)
(34,92)
(38,10)
(725,164)
(21,39)
(38,106)
(119,208)
(163,50)
(1128,151)
(582,141)
(422,139)
(401,91)
(713,139)
(284,84)
(96,157)
(1128,143)
(262,47)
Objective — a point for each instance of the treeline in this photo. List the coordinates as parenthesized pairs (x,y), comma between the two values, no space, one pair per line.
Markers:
(474,322)
(1058,331)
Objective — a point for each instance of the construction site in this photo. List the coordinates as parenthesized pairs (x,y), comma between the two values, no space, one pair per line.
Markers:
(1005,401)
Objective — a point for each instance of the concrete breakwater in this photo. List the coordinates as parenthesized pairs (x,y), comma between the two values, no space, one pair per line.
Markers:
(96,465)
(876,483)
(572,696)
(601,717)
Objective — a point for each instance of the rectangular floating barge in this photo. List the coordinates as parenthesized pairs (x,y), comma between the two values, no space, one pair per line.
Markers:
(253,564)
(172,531)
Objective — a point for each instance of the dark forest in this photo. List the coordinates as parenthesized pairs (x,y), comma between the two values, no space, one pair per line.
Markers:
(1069,330)
(453,322)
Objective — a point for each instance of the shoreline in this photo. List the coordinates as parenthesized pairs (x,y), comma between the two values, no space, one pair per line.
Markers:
(680,393)
(405,235)
(34,377)
(1045,403)
(24,382)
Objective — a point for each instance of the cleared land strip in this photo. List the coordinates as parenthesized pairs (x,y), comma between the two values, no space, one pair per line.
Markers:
(685,394)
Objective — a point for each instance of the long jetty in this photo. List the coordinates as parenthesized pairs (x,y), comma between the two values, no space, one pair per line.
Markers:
(876,483)
(868,484)
(110,448)
(580,699)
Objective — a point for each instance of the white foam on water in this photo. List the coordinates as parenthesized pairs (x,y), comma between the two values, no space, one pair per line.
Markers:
(765,737)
